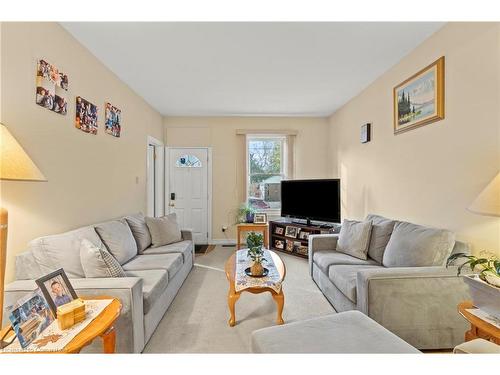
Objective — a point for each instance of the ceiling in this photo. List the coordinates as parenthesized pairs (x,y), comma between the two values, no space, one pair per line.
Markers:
(249,69)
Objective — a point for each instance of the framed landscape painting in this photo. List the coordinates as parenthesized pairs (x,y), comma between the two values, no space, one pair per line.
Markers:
(420,99)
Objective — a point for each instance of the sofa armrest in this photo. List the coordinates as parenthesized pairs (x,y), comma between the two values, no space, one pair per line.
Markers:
(318,242)
(129,326)
(404,299)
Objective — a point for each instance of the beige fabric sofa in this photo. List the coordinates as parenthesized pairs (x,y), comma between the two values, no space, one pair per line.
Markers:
(418,304)
(153,280)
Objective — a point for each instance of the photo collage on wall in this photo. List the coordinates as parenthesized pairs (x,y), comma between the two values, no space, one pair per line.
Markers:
(51,87)
(51,93)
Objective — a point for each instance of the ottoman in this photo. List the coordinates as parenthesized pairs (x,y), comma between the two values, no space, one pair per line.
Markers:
(346,332)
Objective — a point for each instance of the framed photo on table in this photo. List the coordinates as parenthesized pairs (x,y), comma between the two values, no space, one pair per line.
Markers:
(56,289)
(291,232)
(260,218)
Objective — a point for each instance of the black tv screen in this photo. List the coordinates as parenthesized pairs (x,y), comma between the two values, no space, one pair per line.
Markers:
(311,199)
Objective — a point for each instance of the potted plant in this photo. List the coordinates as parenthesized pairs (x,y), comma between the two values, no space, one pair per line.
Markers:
(256,253)
(484,286)
(245,214)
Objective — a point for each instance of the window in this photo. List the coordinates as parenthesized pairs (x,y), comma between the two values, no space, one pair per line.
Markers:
(188,161)
(266,168)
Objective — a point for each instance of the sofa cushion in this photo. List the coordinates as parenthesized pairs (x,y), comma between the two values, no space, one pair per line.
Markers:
(344,278)
(164,230)
(381,233)
(354,238)
(183,247)
(154,283)
(137,224)
(63,251)
(118,239)
(172,263)
(98,262)
(324,259)
(413,245)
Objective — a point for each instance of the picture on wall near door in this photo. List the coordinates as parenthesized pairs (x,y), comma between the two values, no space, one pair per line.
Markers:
(51,87)
(419,100)
(113,120)
(86,116)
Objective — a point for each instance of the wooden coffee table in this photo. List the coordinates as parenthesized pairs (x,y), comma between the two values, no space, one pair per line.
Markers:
(233,296)
(102,326)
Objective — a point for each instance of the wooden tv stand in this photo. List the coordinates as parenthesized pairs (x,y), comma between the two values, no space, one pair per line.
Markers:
(298,245)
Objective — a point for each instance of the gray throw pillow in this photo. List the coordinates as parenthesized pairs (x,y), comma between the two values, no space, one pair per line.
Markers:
(413,245)
(164,230)
(118,239)
(381,234)
(137,224)
(354,238)
(98,262)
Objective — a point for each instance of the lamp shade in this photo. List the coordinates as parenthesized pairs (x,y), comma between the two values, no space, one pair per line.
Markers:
(488,201)
(15,164)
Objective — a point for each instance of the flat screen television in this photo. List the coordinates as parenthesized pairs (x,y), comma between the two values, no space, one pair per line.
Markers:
(311,199)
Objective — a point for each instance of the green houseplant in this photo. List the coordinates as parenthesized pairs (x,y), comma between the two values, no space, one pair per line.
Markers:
(488,268)
(256,253)
(245,214)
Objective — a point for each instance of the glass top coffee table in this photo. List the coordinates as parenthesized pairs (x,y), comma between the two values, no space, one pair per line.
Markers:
(233,295)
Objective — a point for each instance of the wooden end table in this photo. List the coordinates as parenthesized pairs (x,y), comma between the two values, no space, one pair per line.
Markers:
(102,326)
(233,295)
(251,227)
(479,328)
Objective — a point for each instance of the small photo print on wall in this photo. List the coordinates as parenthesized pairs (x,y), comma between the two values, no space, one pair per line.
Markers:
(86,116)
(51,87)
(45,94)
(113,120)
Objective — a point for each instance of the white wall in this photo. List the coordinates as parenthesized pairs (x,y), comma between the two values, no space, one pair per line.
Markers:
(431,174)
(228,155)
(90,177)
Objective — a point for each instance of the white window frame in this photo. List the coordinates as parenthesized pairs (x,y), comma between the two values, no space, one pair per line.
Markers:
(283,167)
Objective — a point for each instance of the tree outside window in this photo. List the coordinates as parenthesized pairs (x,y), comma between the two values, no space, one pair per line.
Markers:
(265,172)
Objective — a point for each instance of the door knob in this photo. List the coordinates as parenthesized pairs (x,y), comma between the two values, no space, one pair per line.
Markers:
(172,204)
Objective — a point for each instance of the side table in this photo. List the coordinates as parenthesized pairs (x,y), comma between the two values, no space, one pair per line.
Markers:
(251,227)
(479,328)
(102,326)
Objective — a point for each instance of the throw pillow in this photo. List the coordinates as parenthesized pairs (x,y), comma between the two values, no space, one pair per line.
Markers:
(381,233)
(98,262)
(164,230)
(137,224)
(354,238)
(413,245)
(118,239)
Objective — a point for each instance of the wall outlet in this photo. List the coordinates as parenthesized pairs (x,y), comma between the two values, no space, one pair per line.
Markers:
(224,228)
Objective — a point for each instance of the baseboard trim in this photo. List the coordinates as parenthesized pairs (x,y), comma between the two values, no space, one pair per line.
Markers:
(222,241)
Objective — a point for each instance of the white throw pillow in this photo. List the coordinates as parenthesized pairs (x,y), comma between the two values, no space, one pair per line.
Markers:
(164,230)
(354,238)
(98,262)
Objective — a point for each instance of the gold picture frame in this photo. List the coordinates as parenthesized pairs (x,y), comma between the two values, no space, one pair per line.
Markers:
(427,86)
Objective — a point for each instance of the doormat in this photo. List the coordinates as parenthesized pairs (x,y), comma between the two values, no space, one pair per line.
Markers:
(203,249)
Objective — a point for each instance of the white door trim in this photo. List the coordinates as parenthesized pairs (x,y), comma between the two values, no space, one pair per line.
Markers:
(160,173)
(209,183)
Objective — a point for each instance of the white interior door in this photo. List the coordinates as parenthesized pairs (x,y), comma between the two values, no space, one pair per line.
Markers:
(150,184)
(188,189)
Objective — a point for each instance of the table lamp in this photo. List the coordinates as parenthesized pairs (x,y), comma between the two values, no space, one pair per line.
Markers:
(488,201)
(15,165)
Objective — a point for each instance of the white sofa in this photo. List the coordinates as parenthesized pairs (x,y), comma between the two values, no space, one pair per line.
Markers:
(153,279)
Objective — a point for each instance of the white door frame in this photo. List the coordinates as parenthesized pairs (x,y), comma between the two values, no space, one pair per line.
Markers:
(160,173)
(209,183)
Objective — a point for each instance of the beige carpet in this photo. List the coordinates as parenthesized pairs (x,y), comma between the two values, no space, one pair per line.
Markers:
(196,322)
